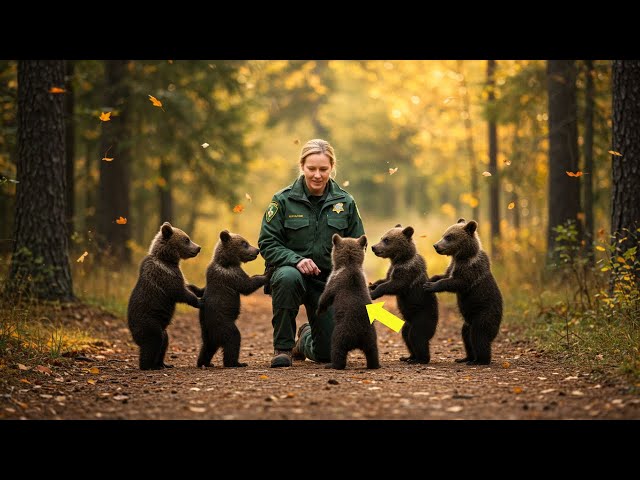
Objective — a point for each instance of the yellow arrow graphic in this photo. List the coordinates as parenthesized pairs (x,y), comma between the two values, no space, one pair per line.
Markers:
(376,312)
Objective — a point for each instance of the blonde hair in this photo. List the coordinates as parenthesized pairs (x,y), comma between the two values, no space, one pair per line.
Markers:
(317,145)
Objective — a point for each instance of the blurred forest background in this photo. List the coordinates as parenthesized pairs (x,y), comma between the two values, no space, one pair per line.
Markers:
(538,152)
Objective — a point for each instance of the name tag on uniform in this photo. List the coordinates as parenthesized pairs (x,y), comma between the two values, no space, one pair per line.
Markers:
(296,216)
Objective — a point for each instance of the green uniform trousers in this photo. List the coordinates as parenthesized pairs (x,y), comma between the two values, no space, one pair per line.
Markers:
(289,290)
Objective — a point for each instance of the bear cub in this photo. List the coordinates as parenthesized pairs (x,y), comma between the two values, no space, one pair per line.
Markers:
(406,274)
(160,285)
(479,298)
(221,298)
(347,290)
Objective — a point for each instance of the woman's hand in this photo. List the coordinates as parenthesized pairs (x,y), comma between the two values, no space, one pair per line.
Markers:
(306,266)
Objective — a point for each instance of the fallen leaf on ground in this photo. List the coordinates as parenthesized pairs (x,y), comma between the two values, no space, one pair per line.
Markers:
(506,364)
(94,370)
(23,367)
(455,409)
(92,381)
(517,390)
(24,380)
(263,377)
(44,369)
(198,409)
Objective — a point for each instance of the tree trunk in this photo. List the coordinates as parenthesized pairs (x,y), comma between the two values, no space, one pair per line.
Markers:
(113,190)
(40,262)
(494,180)
(589,96)
(564,191)
(164,189)
(473,167)
(69,148)
(625,209)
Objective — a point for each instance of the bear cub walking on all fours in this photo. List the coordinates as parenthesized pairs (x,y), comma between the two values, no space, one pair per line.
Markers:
(407,273)
(221,298)
(160,285)
(347,290)
(479,298)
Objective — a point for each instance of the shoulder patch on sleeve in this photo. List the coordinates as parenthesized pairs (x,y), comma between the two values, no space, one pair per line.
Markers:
(272,209)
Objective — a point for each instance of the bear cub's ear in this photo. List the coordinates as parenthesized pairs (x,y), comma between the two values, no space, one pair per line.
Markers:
(407,232)
(398,226)
(362,241)
(224,236)
(461,220)
(167,230)
(336,239)
(471,227)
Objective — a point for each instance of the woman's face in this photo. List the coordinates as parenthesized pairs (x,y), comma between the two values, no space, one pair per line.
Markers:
(316,169)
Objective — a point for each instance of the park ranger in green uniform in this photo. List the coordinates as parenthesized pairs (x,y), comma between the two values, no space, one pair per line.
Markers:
(295,239)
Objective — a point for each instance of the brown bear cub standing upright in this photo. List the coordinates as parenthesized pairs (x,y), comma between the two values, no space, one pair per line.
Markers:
(160,285)
(407,273)
(479,298)
(347,290)
(221,300)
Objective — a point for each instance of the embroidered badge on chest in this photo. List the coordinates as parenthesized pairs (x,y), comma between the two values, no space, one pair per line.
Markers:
(338,207)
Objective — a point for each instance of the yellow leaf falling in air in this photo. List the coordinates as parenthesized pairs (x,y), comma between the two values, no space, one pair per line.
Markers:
(507,162)
(263,377)
(296,142)
(577,174)
(107,159)
(92,381)
(238,208)
(204,145)
(506,364)
(599,248)
(613,152)
(345,183)
(517,390)
(511,206)
(57,90)
(423,236)
(248,197)
(155,101)
(121,221)
(486,174)
(81,257)
(448,99)
(393,170)
(105,116)
(94,370)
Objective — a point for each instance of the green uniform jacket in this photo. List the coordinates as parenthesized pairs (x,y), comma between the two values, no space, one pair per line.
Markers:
(291,231)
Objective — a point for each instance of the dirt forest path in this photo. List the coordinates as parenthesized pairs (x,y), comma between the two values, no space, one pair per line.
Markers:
(105,383)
